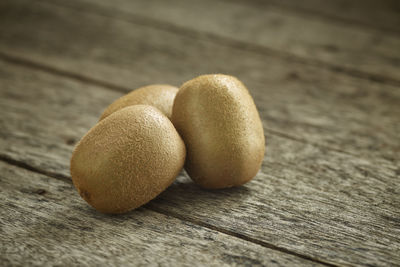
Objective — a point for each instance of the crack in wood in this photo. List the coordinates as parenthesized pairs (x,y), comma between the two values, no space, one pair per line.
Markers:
(67,179)
(233,43)
(306,12)
(53,70)
(241,236)
(26,166)
(113,87)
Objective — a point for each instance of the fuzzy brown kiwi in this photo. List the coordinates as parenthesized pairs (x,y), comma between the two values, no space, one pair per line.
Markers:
(222,131)
(160,96)
(127,159)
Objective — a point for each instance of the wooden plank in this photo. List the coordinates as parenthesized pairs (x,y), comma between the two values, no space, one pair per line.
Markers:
(383,15)
(267,29)
(43,221)
(299,101)
(309,200)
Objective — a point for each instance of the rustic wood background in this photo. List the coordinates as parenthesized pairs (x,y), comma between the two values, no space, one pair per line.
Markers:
(325,75)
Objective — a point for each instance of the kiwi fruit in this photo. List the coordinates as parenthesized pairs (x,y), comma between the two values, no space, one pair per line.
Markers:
(220,125)
(127,159)
(160,96)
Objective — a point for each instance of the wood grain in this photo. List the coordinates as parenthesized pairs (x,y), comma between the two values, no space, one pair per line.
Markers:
(44,222)
(267,29)
(383,15)
(298,101)
(307,200)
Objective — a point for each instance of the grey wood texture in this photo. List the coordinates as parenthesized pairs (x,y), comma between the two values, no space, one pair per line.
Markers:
(361,51)
(307,199)
(300,101)
(328,191)
(43,223)
(383,15)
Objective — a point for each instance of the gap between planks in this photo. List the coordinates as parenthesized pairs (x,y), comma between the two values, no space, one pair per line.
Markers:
(232,43)
(307,12)
(122,89)
(67,179)
(305,89)
(232,227)
(67,176)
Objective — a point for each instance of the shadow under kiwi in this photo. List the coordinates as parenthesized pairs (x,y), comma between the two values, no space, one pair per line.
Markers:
(185,197)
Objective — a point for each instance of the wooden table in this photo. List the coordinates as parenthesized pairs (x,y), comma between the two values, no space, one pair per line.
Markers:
(325,76)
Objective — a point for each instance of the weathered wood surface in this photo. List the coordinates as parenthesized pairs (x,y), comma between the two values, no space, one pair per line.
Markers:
(383,15)
(299,101)
(43,223)
(266,30)
(329,187)
(307,199)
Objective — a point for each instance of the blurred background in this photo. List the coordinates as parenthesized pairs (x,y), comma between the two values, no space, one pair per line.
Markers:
(322,71)
(324,74)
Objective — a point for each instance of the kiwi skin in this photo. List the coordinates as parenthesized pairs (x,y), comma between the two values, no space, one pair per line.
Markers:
(222,130)
(160,96)
(127,159)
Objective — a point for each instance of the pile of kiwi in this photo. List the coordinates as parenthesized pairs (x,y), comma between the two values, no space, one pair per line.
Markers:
(210,126)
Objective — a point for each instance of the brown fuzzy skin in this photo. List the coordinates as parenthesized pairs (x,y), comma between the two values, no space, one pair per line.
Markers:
(160,96)
(127,159)
(222,130)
